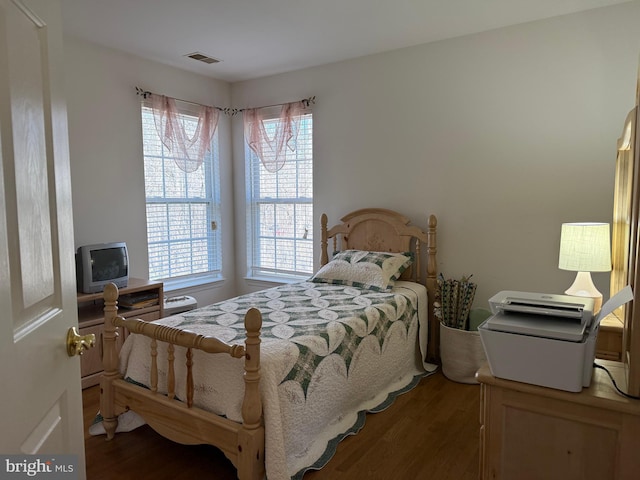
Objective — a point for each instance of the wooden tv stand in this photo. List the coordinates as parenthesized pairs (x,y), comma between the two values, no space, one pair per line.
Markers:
(91,319)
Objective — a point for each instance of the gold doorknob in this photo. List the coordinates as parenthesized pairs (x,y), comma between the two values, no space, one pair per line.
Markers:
(77,344)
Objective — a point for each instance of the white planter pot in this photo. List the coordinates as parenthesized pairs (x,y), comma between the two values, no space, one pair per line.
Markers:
(461,353)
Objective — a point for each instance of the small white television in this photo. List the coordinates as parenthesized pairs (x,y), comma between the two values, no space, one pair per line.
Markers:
(100,264)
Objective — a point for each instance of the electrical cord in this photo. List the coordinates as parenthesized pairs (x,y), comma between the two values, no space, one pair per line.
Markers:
(595,365)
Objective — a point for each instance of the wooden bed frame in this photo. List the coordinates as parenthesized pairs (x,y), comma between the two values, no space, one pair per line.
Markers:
(243,443)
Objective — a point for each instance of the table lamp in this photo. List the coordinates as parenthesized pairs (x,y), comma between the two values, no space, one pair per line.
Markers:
(585,248)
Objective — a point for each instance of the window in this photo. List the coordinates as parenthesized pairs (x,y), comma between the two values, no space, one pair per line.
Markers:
(183,209)
(281,210)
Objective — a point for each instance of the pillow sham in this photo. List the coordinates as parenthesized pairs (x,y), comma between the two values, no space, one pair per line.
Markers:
(376,271)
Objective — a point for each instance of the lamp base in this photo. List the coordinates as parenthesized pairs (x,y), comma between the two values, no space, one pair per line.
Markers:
(583,287)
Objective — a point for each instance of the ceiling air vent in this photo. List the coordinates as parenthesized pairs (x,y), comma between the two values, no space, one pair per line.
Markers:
(201,57)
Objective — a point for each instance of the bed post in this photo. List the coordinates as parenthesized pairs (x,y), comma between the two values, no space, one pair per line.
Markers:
(432,286)
(324,256)
(109,361)
(251,437)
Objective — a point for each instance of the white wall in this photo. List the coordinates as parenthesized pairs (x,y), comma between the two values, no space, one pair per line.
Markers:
(105,140)
(503,135)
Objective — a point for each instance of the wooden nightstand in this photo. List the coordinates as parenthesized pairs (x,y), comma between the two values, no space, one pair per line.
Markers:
(529,432)
(609,343)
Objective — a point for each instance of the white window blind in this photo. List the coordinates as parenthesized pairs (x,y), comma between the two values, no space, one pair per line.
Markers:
(281,209)
(183,209)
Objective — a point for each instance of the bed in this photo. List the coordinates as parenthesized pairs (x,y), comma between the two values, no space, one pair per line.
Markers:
(317,354)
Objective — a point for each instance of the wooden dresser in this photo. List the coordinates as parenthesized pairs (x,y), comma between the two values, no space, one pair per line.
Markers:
(529,432)
(91,319)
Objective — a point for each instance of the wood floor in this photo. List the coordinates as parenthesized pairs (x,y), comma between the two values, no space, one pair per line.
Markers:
(429,433)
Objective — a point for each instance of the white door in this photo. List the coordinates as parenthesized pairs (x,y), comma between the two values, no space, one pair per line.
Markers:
(40,397)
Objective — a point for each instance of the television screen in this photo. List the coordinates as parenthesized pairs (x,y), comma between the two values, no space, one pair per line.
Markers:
(108,263)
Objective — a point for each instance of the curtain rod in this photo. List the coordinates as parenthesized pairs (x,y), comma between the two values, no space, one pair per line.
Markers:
(227,110)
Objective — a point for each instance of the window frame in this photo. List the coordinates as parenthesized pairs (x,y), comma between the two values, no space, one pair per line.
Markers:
(254,168)
(212,200)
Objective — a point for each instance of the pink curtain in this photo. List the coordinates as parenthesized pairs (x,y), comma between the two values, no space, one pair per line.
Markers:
(272,150)
(188,149)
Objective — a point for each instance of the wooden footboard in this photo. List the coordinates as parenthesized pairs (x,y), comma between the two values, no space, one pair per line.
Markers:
(180,421)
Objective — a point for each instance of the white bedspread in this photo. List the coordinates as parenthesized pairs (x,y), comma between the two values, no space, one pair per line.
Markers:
(328,352)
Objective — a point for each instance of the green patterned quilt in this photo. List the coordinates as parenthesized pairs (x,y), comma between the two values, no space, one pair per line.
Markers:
(328,352)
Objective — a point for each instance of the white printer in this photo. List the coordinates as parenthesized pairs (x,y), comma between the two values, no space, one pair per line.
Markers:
(542,339)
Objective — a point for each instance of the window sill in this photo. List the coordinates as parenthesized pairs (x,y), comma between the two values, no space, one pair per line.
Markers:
(267,280)
(173,284)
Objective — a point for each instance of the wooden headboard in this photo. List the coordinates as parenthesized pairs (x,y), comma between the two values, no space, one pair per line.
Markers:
(382,230)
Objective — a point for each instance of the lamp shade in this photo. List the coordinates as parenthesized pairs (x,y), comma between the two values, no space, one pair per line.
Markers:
(585,247)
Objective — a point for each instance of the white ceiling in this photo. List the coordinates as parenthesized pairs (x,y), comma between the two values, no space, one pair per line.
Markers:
(255,38)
